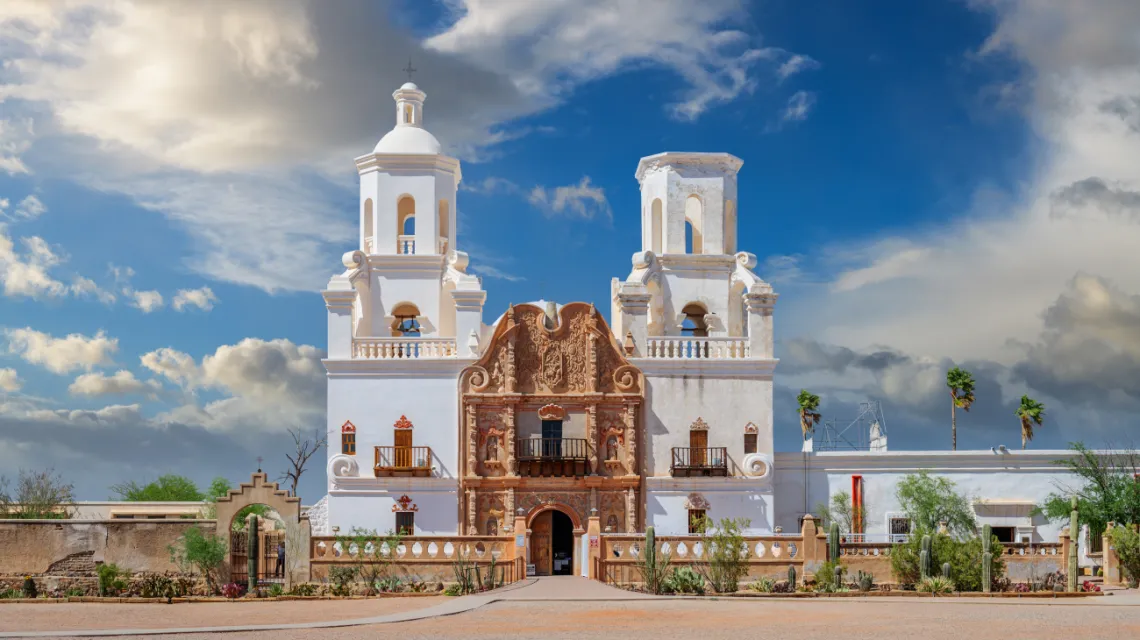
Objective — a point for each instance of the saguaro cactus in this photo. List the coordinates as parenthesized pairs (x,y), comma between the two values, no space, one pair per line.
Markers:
(833,542)
(946,570)
(792,575)
(1074,538)
(924,558)
(252,550)
(987,558)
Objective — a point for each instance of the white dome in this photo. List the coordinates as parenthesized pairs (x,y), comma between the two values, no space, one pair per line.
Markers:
(410,85)
(409,140)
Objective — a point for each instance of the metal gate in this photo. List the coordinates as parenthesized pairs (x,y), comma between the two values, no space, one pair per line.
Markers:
(267,570)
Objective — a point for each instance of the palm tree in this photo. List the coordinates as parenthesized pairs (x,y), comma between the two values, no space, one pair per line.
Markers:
(1030,412)
(809,417)
(961,385)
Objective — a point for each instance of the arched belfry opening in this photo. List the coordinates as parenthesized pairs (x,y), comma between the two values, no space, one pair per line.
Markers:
(405,322)
(693,325)
(694,213)
(406,224)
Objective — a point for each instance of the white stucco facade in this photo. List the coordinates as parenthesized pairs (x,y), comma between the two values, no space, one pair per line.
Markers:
(405,320)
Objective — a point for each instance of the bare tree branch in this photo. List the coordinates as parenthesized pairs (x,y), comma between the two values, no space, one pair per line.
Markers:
(304,449)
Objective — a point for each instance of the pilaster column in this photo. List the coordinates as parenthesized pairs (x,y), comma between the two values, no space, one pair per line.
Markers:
(760,327)
(509,419)
(472,439)
(630,511)
(630,419)
(471,529)
(509,504)
(594,438)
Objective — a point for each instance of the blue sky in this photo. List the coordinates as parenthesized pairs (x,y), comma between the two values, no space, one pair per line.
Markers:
(925,184)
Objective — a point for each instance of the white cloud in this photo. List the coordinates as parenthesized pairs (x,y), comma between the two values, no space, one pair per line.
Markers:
(112,415)
(794,65)
(272,384)
(26,273)
(122,382)
(798,107)
(61,355)
(232,118)
(84,287)
(146,301)
(549,47)
(582,200)
(203,298)
(9,380)
(29,208)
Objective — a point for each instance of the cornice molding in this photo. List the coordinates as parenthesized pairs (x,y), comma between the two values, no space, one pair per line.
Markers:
(397,163)
(686,161)
(751,368)
(732,483)
(388,368)
(910,461)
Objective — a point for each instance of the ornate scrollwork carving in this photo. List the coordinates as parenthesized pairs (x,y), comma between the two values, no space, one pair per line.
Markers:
(477,378)
(342,466)
(626,378)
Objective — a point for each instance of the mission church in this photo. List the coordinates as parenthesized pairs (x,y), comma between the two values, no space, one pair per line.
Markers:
(443,424)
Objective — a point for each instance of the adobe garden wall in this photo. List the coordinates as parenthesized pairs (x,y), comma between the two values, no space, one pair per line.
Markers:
(74,547)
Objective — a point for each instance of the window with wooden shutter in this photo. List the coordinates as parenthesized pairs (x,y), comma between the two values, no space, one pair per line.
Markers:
(750,443)
(348,444)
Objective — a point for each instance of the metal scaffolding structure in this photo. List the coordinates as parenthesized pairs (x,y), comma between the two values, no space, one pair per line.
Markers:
(867,432)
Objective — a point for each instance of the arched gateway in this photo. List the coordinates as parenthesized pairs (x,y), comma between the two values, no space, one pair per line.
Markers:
(551,426)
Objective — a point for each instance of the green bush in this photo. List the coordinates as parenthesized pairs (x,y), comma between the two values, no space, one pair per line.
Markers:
(154,585)
(685,580)
(304,590)
(726,552)
(1127,543)
(112,580)
(276,590)
(342,577)
(964,556)
(825,577)
(453,590)
(201,551)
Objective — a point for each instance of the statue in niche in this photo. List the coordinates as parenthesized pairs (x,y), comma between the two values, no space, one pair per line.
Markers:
(493,448)
(611,523)
(492,527)
(612,448)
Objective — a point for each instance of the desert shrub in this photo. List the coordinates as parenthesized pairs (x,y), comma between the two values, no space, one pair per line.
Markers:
(1055,581)
(764,585)
(453,590)
(155,585)
(30,590)
(201,551)
(935,584)
(1127,543)
(112,580)
(685,580)
(964,556)
(304,589)
(276,590)
(374,556)
(825,578)
(387,584)
(783,586)
(342,577)
(726,552)
(233,590)
(864,581)
(74,592)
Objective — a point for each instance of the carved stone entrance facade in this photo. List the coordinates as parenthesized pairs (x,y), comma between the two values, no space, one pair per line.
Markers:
(551,419)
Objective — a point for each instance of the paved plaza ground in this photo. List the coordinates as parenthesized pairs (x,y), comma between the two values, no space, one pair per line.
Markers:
(576,608)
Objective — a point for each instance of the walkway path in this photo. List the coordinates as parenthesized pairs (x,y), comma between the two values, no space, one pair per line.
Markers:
(560,589)
(532,589)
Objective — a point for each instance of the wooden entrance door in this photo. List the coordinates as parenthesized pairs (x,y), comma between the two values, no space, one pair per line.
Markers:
(698,448)
(403,450)
(540,543)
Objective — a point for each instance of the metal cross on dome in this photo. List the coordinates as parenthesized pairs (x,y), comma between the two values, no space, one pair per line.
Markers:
(409,70)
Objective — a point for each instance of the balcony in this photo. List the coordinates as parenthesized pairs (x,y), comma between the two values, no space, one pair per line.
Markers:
(704,461)
(403,462)
(403,348)
(405,245)
(540,457)
(698,348)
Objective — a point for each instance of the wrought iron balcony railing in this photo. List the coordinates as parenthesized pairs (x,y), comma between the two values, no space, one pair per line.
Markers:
(699,461)
(552,456)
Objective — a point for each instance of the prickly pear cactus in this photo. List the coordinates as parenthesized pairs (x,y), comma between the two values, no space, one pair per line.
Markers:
(252,550)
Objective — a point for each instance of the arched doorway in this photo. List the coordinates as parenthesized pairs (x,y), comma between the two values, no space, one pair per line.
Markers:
(552,543)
